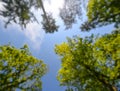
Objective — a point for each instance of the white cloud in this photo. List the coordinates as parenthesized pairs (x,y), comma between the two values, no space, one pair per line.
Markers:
(35,35)
(53,6)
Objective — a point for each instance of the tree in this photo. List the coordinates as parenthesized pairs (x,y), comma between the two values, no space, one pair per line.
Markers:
(19,69)
(90,64)
(99,13)
(71,9)
(102,12)
(19,11)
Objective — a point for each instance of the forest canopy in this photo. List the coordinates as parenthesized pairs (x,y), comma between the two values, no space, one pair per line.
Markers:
(87,64)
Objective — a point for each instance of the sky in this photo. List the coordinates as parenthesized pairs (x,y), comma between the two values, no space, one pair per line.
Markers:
(41,44)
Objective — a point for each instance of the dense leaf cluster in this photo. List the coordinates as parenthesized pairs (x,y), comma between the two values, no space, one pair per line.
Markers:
(19,69)
(90,64)
(101,13)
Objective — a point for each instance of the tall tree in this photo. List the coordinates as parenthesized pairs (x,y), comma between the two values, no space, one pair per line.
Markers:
(19,69)
(19,11)
(99,13)
(90,64)
(71,9)
(102,12)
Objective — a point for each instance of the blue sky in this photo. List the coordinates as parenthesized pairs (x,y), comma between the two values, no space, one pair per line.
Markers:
(42,45)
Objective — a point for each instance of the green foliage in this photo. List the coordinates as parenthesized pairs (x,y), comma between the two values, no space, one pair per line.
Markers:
(19,69)
(102,12)
(90,64)
(99,13)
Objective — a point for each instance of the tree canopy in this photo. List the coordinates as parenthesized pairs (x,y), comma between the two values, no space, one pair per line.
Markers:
(102,12)
(19,69)
(99,13)
(90,64)
(71,9)
(19,11)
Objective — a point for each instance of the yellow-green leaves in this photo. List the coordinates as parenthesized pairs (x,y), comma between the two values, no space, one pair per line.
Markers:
(101,13)
(87,61)
(62,49)
(18,68)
